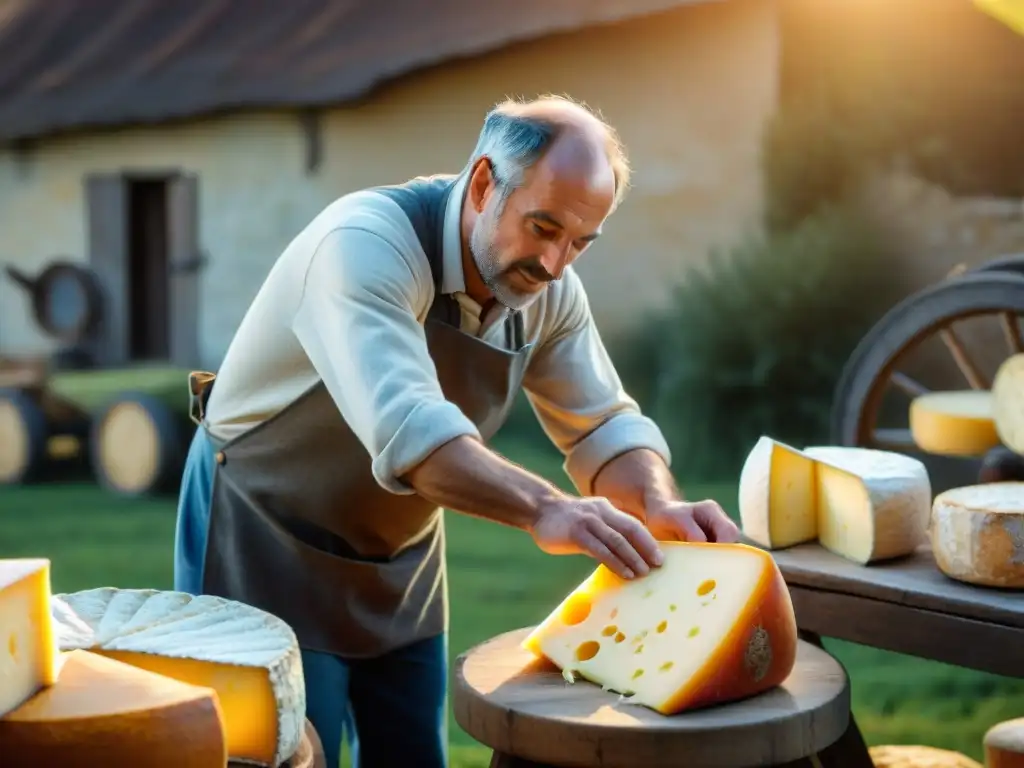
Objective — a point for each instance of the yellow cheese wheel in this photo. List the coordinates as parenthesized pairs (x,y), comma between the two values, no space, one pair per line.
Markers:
(713,624)
(101,712)
(1004,745)
(1008,402)
(977,534)
(917,756)
(28,650)
(958,423)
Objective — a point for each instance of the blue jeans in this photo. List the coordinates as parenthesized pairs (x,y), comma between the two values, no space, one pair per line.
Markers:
(390,710)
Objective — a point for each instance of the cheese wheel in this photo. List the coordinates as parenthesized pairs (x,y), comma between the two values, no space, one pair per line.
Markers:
(977,534)
(872,505)
(713,624)
(27,649)
(917,756)
(776,495)
(863,504)
(104,713)
(956,423)
(1008,402)
(248,656)
(1004,745)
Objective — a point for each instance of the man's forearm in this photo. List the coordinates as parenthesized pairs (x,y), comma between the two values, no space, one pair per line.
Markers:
(634,479)
(465,476)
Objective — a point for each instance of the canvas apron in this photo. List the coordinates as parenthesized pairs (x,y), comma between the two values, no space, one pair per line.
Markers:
(298,525)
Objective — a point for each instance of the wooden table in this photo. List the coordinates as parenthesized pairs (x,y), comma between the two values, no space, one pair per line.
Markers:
(523,709)
(905,605)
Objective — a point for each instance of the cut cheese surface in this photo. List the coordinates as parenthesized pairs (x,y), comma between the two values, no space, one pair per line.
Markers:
(713,624)
(248,656)
(872,505)
(104,713)
(1008,402)
(776,495)
(28,651)
(977,534)
(956,423)
(1004,745)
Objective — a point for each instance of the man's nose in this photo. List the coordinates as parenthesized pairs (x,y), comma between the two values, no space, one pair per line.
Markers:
(554,260)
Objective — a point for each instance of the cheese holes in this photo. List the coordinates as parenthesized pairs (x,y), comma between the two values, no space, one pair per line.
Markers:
(706,587)
(587,650)
(12,646)
(666,666)
(610,630)
(619,637)
(661,626)
(637,673)
(694,631)
(576,610)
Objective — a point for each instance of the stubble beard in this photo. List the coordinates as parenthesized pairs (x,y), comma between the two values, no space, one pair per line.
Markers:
(487,258)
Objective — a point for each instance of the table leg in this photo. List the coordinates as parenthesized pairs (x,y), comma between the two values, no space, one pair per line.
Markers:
(849,751)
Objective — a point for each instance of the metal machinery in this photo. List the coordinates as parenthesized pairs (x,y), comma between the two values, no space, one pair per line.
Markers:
(129,426)
(872,398)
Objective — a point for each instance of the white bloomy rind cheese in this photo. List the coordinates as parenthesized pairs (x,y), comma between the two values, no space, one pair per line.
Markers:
(860,503)
(958,423)
(713,624)
(248,656)
(977,534)
(28,652)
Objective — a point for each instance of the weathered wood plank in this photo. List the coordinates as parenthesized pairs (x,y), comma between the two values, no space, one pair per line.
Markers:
(927,634)
(913,581)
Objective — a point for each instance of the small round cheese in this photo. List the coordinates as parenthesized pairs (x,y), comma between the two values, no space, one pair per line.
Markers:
(917,756)
(956,423)
(1004,745)
(1008,402)
(977,534)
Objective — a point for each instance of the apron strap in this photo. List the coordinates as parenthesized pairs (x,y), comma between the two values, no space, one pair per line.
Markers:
(200,385)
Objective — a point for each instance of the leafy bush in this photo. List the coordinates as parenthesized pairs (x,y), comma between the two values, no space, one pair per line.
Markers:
(754,344)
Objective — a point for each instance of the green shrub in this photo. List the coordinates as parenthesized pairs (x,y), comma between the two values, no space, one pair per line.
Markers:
(754,343)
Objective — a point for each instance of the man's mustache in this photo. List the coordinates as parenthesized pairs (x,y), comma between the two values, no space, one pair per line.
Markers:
(532,267)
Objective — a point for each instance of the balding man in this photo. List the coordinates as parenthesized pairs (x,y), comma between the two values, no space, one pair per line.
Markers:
(354,403)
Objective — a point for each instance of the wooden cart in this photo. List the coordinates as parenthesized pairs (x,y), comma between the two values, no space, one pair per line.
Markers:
(872,399)
(129,426)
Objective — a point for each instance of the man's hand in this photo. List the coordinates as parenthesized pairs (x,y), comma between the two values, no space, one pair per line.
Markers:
(592,526)
(691,521)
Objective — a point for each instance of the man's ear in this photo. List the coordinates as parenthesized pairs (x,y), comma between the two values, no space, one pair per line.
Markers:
(481,184)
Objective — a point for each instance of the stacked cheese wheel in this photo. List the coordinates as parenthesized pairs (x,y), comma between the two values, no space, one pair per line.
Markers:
(142,677)
(863,504)
(713,624)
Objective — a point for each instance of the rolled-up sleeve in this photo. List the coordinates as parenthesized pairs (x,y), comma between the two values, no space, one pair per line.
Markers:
(358,321)
(578,396)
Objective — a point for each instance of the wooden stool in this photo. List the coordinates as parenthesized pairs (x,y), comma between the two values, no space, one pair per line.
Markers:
(1004,745)
(523,709)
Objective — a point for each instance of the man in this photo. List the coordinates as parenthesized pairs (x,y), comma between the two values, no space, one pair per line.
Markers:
(384,348)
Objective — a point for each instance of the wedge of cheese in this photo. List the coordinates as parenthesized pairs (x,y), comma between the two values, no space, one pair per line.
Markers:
(1004,745)
(104,713)
(713,624)
(977,534)
(956,423)
(28,651)
(1008,402)
(871,505)
(249,657)
(863,504)
(777,496)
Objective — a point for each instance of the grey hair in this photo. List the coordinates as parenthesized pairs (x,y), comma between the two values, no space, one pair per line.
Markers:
(513,142)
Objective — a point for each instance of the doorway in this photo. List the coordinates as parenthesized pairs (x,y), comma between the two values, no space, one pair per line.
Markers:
(143,248)
(148,326)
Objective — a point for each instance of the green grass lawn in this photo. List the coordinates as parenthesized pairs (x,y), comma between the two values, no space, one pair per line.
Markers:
(499,581)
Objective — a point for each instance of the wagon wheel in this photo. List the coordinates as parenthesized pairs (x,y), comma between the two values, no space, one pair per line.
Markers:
(23,436)
(873,370)
(136,445)
(1014,264)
